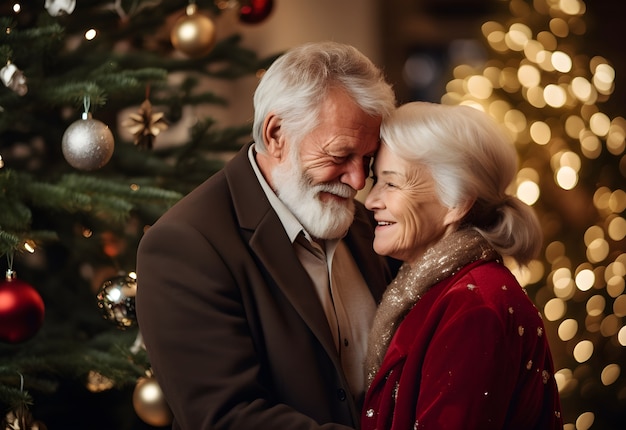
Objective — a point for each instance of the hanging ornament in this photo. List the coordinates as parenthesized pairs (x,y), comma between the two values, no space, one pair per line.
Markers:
(194,33)
(87,143)
(150,404)
(255,11)
(21,310)
(13,78)
(145,125)
(60,7)
(21,419)
(116,300)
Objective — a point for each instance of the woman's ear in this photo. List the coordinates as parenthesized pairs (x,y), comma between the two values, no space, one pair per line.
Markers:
(457,213)
(273,136)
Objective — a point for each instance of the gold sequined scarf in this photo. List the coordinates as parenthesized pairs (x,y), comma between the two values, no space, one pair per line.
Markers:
(443,260)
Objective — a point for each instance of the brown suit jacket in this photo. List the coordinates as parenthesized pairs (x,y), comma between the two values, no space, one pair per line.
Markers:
(234,330)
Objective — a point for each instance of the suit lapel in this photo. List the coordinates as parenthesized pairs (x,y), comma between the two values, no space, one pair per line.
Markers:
(268,239)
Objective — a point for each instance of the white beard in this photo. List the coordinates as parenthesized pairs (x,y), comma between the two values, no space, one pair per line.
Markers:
(322,220)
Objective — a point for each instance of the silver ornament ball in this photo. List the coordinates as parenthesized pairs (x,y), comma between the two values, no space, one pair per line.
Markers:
(116,300)
(88,144)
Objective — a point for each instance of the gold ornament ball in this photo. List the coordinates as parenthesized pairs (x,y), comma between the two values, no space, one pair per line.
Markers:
(194,33)
(149,403)
(87,144)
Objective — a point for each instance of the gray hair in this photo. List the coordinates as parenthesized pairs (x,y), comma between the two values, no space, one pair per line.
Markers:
(294,86)
(471,158)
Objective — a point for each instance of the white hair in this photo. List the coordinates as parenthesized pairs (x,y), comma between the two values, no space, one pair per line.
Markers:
(294,86)
(471,159)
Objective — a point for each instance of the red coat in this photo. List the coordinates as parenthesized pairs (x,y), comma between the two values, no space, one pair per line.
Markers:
(471,354)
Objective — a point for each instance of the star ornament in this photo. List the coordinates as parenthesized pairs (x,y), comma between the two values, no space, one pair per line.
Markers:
(145,125)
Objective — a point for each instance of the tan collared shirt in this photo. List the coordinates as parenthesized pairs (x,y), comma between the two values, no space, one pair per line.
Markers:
(348,305)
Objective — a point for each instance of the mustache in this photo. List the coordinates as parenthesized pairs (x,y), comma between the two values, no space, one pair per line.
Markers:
(337,188)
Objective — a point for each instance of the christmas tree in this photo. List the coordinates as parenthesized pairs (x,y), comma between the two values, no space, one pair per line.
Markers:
(89,89)
(541,82)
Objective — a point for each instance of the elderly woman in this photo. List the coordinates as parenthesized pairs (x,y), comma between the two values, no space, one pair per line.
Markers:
(456,342)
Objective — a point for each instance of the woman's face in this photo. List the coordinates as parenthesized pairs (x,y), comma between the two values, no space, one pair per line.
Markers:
(407,209)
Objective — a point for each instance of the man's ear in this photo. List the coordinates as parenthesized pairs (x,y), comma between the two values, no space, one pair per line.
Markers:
(273,136)
(457,213)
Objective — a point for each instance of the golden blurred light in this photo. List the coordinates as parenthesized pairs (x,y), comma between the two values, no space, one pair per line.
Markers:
(544,60)
(554,309)
(527,173)
(617,201)
(617,268)
(598,250)
(595,305)
(615,286)
(583,90)
(565,381)
(528,192)
(490,26)
(559,27)
(619,306)
(498,109)
(615,277)
(585,421)
(583,351)
(496,40)
(462,71)
(555,95)
(600,124)
(610,325)
(603,78)
(532,49)
(561,62)
(525,275)
(479,87)
(455,86)
(508,80)
(529,76)
(585,279)
(517,36)
(515,121)
(601,198)
(571,7)
(493,74)
(574,125)
(540,132)
(535,271)
(555,250)
(610,374)
(592,233)
(616,140)
(566,177)
(570,159)
(547,40)
(621,336)
(535,97)
(590,145)
(568,329)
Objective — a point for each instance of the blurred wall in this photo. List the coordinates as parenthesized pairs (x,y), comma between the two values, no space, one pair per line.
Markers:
(291,23)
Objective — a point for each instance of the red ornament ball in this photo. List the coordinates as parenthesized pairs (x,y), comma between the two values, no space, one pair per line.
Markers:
(255,11)
(21,311)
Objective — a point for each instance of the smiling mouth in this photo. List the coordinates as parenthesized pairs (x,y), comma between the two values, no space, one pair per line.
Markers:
(384,223)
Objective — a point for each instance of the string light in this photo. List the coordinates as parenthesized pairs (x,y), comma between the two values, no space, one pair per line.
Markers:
(546,95)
